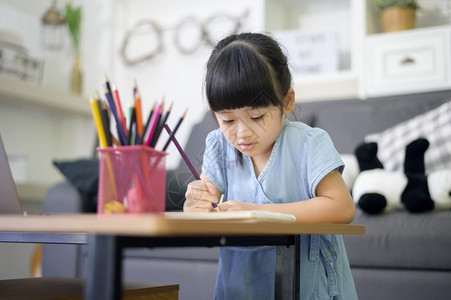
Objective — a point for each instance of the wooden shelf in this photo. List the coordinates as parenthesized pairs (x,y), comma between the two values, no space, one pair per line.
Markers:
(22,93)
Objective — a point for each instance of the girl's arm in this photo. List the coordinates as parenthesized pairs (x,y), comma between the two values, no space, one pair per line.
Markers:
(333,203)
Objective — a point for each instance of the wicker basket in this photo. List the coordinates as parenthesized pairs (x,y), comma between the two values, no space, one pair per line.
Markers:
(398,18)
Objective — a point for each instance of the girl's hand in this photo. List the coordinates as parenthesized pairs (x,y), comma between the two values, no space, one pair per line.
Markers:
(233,205)
(200,196)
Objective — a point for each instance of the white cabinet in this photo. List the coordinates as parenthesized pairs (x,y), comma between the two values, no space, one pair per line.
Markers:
(407,62)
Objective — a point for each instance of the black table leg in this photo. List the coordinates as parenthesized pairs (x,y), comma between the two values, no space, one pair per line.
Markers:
(287,271)
(104,268)
(297,267)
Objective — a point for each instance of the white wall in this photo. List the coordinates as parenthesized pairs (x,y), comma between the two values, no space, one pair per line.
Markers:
(33,133)
(175,76)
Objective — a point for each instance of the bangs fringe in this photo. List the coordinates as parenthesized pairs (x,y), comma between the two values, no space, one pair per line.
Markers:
(241,78)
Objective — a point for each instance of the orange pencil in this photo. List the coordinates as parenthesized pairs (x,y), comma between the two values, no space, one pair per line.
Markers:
(139,119)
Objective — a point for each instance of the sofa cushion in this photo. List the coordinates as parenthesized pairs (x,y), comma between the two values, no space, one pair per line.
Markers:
(84,175)
(434,125)
(401,240)
(349,121)
(399,284)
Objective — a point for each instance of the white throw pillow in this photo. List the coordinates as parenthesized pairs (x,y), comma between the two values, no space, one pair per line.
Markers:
(434,125)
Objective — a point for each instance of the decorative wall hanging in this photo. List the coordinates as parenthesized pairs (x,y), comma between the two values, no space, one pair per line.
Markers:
(154,29)
(205,31)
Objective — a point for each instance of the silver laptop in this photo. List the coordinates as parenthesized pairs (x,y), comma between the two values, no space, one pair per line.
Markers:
(9,199)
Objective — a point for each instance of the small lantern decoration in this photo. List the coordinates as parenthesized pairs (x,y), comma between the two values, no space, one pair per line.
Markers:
(52,32)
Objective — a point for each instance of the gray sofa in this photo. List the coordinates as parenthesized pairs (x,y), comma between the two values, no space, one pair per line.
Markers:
(401,256)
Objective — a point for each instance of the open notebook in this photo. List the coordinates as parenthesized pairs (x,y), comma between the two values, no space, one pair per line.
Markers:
(245,215)
(9,199)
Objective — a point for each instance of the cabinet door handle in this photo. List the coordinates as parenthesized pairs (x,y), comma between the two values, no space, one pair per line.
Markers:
(407,61)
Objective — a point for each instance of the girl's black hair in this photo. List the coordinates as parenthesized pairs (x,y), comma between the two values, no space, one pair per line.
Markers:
(247,69)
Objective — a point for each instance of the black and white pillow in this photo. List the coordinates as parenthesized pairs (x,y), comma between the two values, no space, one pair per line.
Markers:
(434,125)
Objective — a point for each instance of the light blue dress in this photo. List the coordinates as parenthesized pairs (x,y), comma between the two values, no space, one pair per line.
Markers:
(301,157)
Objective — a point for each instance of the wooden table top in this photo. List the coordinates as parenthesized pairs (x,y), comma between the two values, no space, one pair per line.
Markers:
(157,225)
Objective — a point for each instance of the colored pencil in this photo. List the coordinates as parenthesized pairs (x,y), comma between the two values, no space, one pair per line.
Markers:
(154,123)
(117,101)
(121,132)
(182,153)
(103,109)
(175,130)
(161,124)
(155,134)
(138,113)
(132,120)
(98,122)
(110,93)
(115,141)
(146,127)
(186,159)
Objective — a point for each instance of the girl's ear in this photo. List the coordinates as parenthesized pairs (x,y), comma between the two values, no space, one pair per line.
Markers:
(289,101)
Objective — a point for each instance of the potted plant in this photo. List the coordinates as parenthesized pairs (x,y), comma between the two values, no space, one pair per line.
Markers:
(73,21)
(397,15)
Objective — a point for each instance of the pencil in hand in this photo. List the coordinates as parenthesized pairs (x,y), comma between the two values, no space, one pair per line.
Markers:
(182,153)
(185,157)
(171,135)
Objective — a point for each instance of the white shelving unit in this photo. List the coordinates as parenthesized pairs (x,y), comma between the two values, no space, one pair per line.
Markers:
(358,29)
(39,125)
(14,91)
(343,17)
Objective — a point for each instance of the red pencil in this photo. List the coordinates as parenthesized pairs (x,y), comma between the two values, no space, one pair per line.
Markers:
(117,101)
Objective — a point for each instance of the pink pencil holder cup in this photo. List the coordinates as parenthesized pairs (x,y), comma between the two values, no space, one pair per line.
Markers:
(132,179)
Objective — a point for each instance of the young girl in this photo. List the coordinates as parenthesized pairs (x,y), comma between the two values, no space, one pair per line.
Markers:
(259,160)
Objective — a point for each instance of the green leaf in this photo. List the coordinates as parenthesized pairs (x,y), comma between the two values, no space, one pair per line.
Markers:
(73,21)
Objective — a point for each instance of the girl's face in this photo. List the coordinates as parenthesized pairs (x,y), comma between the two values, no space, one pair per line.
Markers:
(253,131)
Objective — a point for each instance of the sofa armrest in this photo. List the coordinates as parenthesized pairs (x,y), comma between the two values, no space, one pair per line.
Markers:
(63,197)
(62,260)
